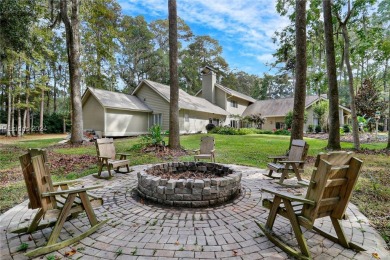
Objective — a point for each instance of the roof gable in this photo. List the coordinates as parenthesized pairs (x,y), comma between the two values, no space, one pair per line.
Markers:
(235,93)
(186,101)
(116,100)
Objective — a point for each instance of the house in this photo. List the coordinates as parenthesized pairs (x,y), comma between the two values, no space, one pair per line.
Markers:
(275,110)
(114,114)
(119,114)
(230,100)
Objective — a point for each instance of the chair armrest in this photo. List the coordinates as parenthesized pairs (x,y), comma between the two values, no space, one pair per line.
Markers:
(60,183)
(104,157)
(212,151)
(62,192)
(285,195)
(125,154)
(291,161)
(197,151)
(277,157)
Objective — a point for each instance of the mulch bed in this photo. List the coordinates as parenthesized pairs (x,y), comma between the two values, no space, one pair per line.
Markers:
(164,152)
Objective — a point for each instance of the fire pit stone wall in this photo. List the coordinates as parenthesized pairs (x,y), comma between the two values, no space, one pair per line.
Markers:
(190,192)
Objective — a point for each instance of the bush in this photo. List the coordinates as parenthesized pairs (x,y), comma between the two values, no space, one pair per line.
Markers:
(282,132)
(317,129)
(310,128)
(224,130)
(210,127)
(53,123)
(347,128)
(155,136)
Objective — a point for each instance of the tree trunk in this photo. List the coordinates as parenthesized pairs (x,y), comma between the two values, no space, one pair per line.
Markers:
(41,111)
(174,131)
(9,110)
(300,72)
(334,120)
(355,129)
(72,25)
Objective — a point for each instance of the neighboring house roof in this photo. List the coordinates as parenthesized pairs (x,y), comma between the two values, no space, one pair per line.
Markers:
(116,100)
(186,101)
(231,92)
(279,107)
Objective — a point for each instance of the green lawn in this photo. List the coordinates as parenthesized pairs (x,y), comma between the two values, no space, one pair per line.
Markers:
(372,193)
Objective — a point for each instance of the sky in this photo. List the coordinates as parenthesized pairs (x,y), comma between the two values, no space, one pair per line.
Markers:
(244,28)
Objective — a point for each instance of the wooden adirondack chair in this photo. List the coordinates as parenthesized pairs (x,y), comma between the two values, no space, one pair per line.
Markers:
(107,157)
(55,200)
(293,162)
(328,194)
(207,149)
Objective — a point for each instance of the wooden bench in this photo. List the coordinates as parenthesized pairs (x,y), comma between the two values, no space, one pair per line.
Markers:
(328,194)
(291,163)
(107,157)
(54,200)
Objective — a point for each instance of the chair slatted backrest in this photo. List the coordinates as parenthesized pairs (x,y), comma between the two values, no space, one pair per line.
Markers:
(105,147)
(207,143)
(31,182)
(298,151)
(331,187)
(43,182)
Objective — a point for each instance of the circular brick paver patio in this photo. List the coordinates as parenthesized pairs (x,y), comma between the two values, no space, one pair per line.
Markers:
(141,230)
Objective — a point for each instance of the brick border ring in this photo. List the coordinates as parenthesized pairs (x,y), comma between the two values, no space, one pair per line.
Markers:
(190,192)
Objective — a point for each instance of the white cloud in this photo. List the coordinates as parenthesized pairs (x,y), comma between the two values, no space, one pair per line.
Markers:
(248,23)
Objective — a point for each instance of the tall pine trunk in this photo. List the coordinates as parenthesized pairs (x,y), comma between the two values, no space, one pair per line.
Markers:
(72,31)
(300,71)
(334,120)
(174,131)
(355,127)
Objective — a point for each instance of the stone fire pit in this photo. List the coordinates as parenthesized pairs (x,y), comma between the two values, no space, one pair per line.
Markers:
(223,185)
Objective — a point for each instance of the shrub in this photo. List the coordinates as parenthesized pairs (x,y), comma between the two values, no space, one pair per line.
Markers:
(347,128)
(310,128)
(282,132)
(155,136)
(210,127)
(317,129)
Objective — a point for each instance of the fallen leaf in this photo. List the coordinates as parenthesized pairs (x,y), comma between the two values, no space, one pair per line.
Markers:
(376,255)
(70,253)
(30,238)
(177,243)
(235,252)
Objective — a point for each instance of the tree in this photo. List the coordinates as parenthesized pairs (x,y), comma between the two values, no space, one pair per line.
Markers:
(367,100)
(300,75)
(174,131)
(347,51)
(72,32)
(321,110)
(334,120)
(257,119)
(288,119)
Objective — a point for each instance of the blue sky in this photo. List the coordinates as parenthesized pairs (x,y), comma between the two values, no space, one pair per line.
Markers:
(244,28)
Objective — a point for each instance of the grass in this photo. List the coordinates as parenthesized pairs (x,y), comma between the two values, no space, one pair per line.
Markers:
(372,192)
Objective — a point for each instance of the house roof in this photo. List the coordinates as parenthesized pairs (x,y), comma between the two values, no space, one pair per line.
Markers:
(186,101)
(279,107)
(235,93)
(116,100)
(231,92)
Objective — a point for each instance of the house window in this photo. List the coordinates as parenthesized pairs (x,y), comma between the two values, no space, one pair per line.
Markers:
(280,125)
(186,118)
(233,103)
(234,123)
(157,119)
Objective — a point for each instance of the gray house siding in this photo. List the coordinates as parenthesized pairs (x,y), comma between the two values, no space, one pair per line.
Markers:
(125,123)
(93,115)
(156,103)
